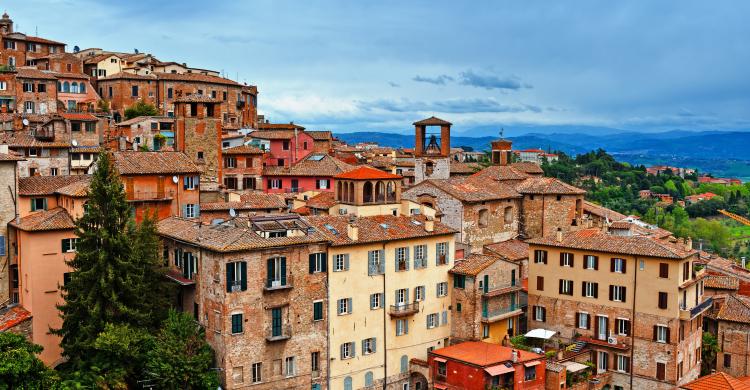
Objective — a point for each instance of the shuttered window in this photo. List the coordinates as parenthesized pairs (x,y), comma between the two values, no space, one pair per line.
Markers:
(375,262)
(236,323)
(318,311)
(236,276)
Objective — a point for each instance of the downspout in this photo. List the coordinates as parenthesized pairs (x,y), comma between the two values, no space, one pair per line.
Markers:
(632,317)
(385,328)
(543,215)
(328,318)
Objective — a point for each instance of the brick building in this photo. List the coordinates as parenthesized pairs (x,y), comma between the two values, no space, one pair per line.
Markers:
(316,172)
(635,301)
(152,132)
(8,211)
(246,204)
(287,144)
(243,168)
(19,49)
(729,321)
(249,283)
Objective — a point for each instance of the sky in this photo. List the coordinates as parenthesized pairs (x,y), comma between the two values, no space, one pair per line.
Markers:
(650,65)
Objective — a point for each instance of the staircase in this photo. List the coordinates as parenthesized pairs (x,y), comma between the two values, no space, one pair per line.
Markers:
(579,346)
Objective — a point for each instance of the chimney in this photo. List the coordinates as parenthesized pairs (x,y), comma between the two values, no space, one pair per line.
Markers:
(352,229)
(429,225)
(689,244)
(559,235)
(514,356)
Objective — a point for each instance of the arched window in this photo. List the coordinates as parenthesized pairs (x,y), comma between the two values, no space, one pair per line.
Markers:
(404,364)
(74,87)
(368,378)
(348,383)
(428,168)
(367,193)
(380,192)
(508,215)
(339,192)
(391,192)
(484,217)
(66,87)
(82,88)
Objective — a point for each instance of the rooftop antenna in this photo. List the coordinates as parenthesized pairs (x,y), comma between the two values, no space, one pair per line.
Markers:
(36,31)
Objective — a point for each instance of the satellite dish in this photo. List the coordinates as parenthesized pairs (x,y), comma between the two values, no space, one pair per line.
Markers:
(175,179)
(232,213)
(74,142)
(25,122)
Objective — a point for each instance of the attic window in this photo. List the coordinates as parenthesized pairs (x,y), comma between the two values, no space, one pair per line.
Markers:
(331,229)
(416,222)
(316,157)
(384,225)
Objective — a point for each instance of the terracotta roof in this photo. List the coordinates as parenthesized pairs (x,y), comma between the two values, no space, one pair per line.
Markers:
(30,38)
(303,210)
(470,189)
(196,98)
(473,265)
(98,58)
(196,77)
(78,189)
(139,119)
(601,211)
(721,282)
(736,308)
(464,168)
(528,167)
(128,76)
(54,219)
(324,200)
(511,250)
(376,228)
(432,121)
(320,135)
(547,185)
(11,157)
(367,173)
(501,173)
(12,316)
(717,381)
(272,134)
(596,240)
(147,163)
(326,166)
(483,354)
(233,236)
(242,149)
(47,185)
(34,73)
(79,116)
(256,200)
(65,75)
(19,139)
(279,126)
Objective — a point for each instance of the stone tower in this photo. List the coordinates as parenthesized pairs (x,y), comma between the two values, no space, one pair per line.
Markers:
(432,150)
(501,151)
(6,24)
(198,133)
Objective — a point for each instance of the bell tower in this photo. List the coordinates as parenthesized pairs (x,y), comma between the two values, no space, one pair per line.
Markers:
(501,150)
(432,149)
(6,24)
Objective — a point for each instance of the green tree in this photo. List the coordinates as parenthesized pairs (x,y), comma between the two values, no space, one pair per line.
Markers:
(181,358)
(19,366)
(140,108)
(709,349)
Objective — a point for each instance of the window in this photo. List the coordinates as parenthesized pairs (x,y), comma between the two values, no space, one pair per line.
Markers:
(617,293)
(442,289)
(661,334)
(402,296)
(274,183)
(420,256)
(459,281)
(664,270)
(540,283)
(618,265)
(375,263)
(623,363)
(257,370)
(10,44)
(727,360)
(318,311)
(189,182)
(566,259)
(540,256)
(663,297)
(441,252)
(42,87)
(224,95)
(276,272)
(170,93)
(432,321)
(591,262)
(419,293)
(3,250)
(661,371)
(347,351)
(285,145)
(322,184)
(69,244)
(529,373)
(402,259)
(402,327)
(340,262)
(540,314)
(38,204)
(290,367)
(368,346)
(76,126)
(315,363)
(483,217)
(622,326)
(236,323)
(190,210)
(134,91)
(376,301)
(566,287)
(236,275)
(442,369)
(318,262)
(29,107)
(590,290)
(28,86)
(53,171)
(90,127)
(679,370)
(485,331)
(3,86)
(344,306)
(230,162)
(33,152)
(583,320)
(602,362)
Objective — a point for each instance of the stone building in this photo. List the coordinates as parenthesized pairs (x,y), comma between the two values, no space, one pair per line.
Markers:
(432,150)
(19,49)
(150,132)
(243,168)
(633,302)
(45,153)
(36,91)
(198,133)
(729,321)
(8,212)
(250,282)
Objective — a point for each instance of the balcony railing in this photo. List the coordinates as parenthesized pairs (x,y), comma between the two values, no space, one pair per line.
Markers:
(279,333)
(688,314)
(277,285)
(500,313)
(404,310)
(502,289)
(146,196)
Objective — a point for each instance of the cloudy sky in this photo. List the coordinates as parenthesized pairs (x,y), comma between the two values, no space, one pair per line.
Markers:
(379,65)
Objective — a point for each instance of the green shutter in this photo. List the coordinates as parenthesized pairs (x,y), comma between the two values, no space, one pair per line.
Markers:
(230,275)
(243,275)
(311,261)
(269,274)
(283,271)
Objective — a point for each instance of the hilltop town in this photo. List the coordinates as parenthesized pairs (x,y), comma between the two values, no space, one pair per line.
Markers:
(309,263)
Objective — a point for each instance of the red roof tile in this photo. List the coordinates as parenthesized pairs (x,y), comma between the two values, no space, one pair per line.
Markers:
(474,264)
(79,116)
(324,200)
(47,185)
(54,219)
(242,149)
(13,316)
(367,173)
(483,354)
(432,121)
(717,381)
(146,163)
(511,250)
(378,228)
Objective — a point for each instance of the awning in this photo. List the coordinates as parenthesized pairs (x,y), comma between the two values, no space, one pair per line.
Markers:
(500,369)
(541,334)
(532,363)
(177,277)
(168,134)
(437,359)
(574,367)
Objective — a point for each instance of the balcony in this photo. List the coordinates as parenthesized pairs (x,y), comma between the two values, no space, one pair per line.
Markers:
(502,290)
(279,333)
(278,285)
(149,196)
(501,313)
(404,310)
(690,313)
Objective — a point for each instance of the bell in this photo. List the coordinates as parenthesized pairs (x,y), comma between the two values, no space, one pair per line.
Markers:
(432,147)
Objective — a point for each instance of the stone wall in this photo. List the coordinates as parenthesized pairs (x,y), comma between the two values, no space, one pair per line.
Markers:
(8,180)
(542,215)
(441,168)
(734,340)
(479,231)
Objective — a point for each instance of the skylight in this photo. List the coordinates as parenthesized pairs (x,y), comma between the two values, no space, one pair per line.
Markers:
(331,229)
(384,225)
(414,221)
(316,157)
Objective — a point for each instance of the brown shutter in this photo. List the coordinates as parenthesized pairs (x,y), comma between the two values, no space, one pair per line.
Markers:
(660,368)
(572,260)
(612,265)
(544,315)
(540,283)
(663,270)
(596,262)
(656,330)
(578,319)
(627,328)
(624,266)
(588,323)
(596,327)
(583,289)
(560,286)
(668,334)
(624,294)
(611,292)
(562,254)
(544,254)
(596,290)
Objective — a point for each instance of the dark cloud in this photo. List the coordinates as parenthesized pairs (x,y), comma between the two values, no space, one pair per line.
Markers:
(439,80)
(490,81)
(454,106)
(394,85)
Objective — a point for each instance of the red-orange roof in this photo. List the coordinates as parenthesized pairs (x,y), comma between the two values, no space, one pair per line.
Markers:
(483,354)
(12,317)
(78,116)
(717,381)
(366,173)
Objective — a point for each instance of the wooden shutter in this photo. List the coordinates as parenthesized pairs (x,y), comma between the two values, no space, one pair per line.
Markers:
(656,333)
(44,201)
(562,256)
(346,262)
(624,268)
(544,256)
(612,264)
(560,286)
(588,321)
(324,265)
(349,305)
(230,276)
(578,320)
(243,275)
(371,263)
(540,283)
(611,292)
(660,371)
(269,272)
(583,289)
(374,345)
(663,270)
(268,184)
(382,261)
(572,259)
(311,262)
(627,327)
(544,314)
(596,290)
(624,294)
(596,262)
(407,259)
(2,246)
(283,271)
(596,328)
(668,335)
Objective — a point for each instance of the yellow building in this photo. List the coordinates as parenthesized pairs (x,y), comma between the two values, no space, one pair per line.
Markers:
(389,297)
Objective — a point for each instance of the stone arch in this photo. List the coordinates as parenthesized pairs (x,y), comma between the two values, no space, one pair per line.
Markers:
(390,192)
(66,87)
(508,215)
(348,383)
(417,381)
(368,192)
(379,191)
(351,192)
(483,217)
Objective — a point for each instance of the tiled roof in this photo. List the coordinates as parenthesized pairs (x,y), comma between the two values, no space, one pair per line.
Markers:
(222,206)
(554,366)
(25,140)
(721,282)
(139,119)
(233,236)
(54,219)
(260,197)
(472,189)
(528,167)
(596,240)
(464,168)
(501,172)
(12,316)
(242,149)
(736,308)
(196,98)
(716,381)
(432,121)
(34,73)
(128,76)
(320,135)
(79,116)
(547,185)
(326,166)
(511,250)
(272,134)
(77,189)
(483,354)
(10,157)
(473,265)
(196,77)
(146,163)
(376,228)
(601,211)
(255,200)
(324,200)
(98,58)
(367,173)
(65,75)
(47,185)
(279,126)
(30,38)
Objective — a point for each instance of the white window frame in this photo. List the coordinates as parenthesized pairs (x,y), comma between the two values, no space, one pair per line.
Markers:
(72,243)
(318,262)
(419,256)
(190,210)
(28,107)
(339,263)
(589,261)
(275,184)
(3,86)
(419,293)
(322,184)
(343,307)
(539,256)
(621,363)
(602,359)
(588,289)
(567,259)
(538,313)
(620,326)
(567,287)
(402,327)
(346,350)
(618,295)
(257,373)
(442,249)
(583,320)
(290,368)
(442,289)
(401,295)
(432,320)
(367,348)
(376,301)
(619,265)
(402,259)
(661,333)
